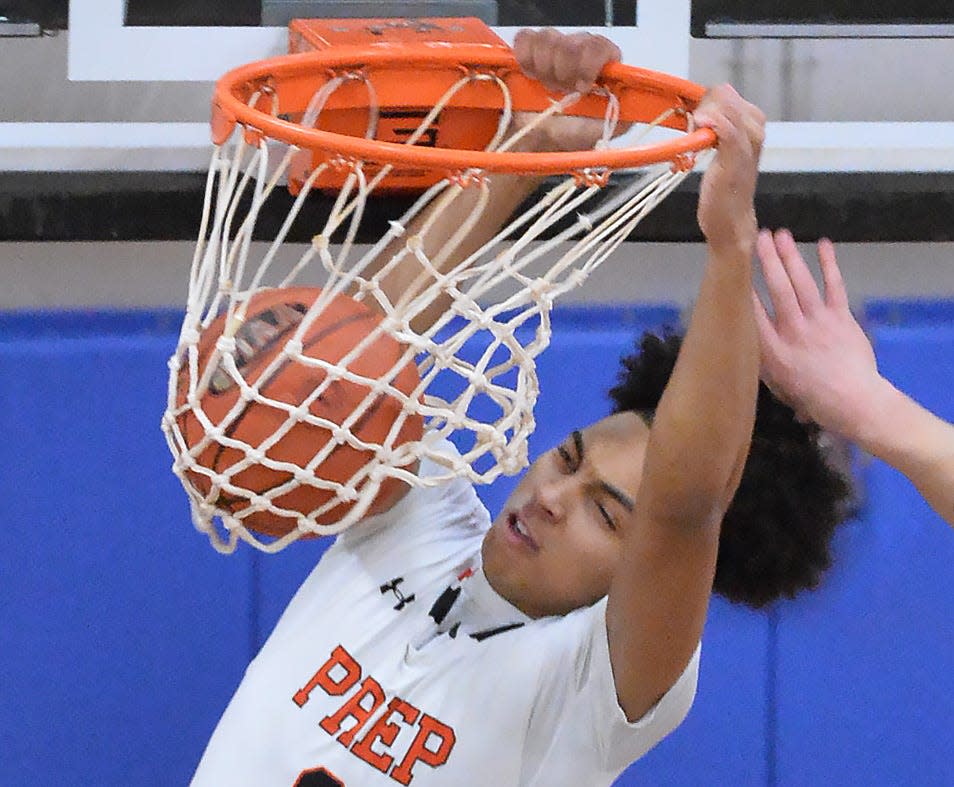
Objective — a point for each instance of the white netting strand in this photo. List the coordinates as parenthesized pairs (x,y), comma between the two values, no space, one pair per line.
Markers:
(470,372)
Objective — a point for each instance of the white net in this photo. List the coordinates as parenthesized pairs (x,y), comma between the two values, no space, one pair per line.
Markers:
(268,462)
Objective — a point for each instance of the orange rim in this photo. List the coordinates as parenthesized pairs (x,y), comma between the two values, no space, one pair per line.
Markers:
(635,87)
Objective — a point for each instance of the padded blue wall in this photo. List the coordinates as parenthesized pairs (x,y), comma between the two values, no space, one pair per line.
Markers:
(866,665)
(124,633)
(122,637)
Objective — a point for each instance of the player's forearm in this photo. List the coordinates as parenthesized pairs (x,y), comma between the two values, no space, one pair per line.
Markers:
(704,422)
(913,440)
(451,231)
(454,226)
(445,242)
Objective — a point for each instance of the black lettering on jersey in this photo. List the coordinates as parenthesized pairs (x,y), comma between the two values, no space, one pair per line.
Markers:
(444,603)
(392,587)
(318,777)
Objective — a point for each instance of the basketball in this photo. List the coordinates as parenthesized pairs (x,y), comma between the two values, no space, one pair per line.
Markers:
(271,320)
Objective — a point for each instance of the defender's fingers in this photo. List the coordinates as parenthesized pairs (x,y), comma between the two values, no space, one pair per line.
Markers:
(784,302)
(769,342)
(835,294)
(763,321)
(803,283)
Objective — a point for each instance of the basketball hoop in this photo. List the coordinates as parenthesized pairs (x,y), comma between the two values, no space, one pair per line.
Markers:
(313,121)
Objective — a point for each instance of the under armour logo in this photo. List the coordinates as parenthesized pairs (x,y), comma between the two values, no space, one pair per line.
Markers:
(392,586)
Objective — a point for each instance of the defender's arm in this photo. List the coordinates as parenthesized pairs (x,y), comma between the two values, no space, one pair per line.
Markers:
(816,358)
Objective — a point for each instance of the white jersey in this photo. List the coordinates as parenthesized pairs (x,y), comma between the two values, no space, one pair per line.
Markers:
(396,662)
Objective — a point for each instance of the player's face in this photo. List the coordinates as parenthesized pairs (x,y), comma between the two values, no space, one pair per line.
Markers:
(555,546)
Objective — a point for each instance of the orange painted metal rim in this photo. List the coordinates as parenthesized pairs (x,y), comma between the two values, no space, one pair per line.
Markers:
(635,87)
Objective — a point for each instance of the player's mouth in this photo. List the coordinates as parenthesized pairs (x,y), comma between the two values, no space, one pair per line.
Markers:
(519,532)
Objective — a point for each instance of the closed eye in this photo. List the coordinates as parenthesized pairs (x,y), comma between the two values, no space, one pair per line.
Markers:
(606,516)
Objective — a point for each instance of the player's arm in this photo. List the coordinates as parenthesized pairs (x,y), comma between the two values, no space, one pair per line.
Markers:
(816,358)
(562,63)
(700,434)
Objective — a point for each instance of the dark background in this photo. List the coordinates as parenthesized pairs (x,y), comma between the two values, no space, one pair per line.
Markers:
(53,14)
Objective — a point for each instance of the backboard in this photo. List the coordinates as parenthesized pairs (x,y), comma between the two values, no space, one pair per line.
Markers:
(858,128)
(104,47)
(888,128)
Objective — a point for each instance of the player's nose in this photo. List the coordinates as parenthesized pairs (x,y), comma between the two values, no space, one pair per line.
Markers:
(549,500)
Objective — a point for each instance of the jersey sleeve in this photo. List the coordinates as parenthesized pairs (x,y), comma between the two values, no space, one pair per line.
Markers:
(577,709)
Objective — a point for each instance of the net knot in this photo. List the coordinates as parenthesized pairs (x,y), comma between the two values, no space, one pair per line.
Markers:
(204,508)
(257,502)
(303,477)
(587,178)
(541,289)
(214,432)
(255,455)
(341,163)
(191,336)
(511,464)
(467,178)
(218,482)
(576,278)
(246,392)
(347,493)
(684,162)
(320,242)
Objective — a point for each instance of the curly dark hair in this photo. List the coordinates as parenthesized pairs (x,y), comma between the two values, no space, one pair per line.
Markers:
(776,535)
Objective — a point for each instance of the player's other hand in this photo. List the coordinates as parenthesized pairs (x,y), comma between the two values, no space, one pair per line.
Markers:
(726,211)
(563,63)
(815,357)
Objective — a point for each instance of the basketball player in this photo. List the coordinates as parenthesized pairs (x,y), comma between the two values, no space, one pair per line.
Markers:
(558,643)
(816,357)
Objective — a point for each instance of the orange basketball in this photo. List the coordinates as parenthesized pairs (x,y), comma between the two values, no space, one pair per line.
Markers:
(271,319)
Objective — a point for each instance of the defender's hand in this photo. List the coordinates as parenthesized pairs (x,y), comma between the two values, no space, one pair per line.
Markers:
(726,211)
(563,63)
(814,355)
